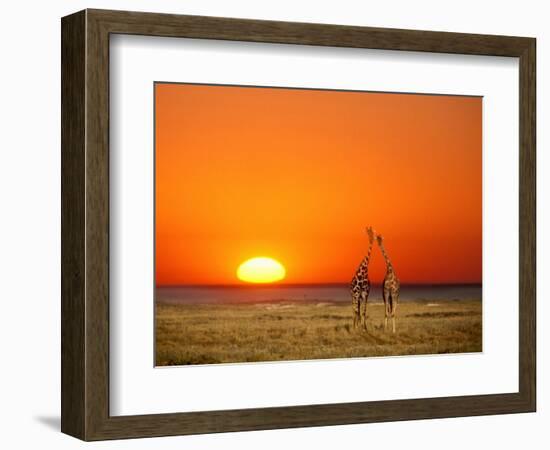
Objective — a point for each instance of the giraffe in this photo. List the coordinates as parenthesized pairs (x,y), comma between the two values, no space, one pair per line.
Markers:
(360,287)
(390,287)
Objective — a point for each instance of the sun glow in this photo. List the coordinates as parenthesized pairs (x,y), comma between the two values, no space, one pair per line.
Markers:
(261,270)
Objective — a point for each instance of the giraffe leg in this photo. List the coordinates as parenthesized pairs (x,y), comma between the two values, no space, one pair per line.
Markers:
(365,298)
(365,304)
(395,298)
(355,305)
(362,310)
(365,323)
(385,295)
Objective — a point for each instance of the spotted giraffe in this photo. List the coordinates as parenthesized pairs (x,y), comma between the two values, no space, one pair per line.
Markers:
(390,287)
(360,287)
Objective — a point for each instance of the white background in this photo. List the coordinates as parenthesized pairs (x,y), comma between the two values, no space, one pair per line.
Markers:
(30,226)
(136,387)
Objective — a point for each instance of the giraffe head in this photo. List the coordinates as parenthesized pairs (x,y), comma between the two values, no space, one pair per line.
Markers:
(370,232)
(379,239)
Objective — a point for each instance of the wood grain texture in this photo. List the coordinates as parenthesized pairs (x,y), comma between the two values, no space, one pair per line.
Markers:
(527,224)
(73,226)
(152,24)
(97,226)
(85,224)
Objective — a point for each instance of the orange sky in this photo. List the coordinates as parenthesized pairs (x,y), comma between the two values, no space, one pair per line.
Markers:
(297,175)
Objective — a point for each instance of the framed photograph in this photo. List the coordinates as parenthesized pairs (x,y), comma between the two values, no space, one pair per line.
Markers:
(273,225)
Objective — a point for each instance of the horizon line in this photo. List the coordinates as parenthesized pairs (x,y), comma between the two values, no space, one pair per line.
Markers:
(336,284)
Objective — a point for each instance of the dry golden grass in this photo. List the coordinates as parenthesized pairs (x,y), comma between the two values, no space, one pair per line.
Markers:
(206,334)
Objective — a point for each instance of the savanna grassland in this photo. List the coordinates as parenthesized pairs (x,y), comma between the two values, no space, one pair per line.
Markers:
(275,331)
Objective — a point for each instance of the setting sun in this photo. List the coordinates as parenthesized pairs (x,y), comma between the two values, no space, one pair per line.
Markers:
(261,270)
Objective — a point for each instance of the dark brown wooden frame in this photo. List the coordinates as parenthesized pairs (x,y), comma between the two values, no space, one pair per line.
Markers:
(85,224)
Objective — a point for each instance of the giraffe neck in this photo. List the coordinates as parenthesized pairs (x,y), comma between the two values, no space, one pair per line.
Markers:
(365,262)
(386,257)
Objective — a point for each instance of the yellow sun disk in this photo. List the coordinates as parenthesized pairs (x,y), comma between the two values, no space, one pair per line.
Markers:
(261,270)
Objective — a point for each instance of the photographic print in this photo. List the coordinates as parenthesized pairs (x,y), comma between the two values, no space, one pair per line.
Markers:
(299,224)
